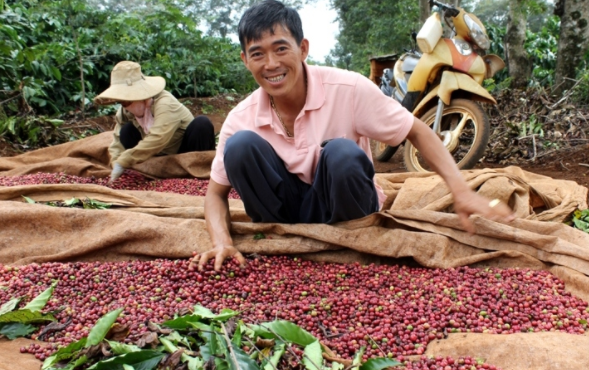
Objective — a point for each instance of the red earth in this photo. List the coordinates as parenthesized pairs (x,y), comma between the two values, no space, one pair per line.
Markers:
(566,164)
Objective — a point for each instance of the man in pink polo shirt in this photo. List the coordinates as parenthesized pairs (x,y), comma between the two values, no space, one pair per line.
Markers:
(297,149)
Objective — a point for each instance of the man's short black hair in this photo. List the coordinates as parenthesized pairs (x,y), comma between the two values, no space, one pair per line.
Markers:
(263,17)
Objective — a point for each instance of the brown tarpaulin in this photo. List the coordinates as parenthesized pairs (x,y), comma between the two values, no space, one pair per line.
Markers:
(89,157)
(417,223)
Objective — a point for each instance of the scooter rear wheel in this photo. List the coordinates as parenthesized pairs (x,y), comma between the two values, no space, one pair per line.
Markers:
(465,131)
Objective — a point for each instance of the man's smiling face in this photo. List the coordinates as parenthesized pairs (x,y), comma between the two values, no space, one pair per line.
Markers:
(276,61)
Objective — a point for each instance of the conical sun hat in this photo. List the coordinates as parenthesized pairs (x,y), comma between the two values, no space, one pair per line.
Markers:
(127,83)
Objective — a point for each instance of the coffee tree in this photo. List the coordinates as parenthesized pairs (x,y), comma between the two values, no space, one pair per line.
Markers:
(56,55)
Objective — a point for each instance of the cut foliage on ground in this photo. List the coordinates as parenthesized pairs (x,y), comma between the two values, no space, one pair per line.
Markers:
(531,124)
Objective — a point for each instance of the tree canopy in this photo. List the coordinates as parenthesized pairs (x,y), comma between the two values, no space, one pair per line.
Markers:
(495,12)
(372,27)
(56,55)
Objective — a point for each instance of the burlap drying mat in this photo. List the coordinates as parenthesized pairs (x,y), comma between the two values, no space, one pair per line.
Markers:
(89,157)
(418,223)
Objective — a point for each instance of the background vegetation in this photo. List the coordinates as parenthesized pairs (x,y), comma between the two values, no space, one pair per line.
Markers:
(379,27)
(56,55)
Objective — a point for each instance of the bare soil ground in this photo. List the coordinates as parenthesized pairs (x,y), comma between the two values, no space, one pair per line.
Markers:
(566,164)
(564,129)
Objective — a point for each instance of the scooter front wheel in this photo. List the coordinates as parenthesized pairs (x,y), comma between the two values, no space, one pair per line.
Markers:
(464,132)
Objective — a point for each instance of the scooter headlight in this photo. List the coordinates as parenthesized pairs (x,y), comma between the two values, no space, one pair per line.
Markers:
(477,33)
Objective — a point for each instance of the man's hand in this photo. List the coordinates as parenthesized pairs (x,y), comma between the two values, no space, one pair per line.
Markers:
(469,203)
(117,171)
(219,254)
(466,201)
(218,224)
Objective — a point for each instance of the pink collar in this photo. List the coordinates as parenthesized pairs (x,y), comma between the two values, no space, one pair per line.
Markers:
(315,97)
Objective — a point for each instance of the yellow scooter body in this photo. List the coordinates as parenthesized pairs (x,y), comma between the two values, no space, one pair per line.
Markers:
(448,69)
(440,84)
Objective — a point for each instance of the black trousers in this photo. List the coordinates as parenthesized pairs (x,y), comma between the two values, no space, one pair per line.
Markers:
(199,136)
(343,188)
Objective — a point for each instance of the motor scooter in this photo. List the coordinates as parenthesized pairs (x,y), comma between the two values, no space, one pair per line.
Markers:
(442,83)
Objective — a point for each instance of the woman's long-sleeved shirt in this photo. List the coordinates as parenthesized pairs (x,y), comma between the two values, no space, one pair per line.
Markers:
(164,137)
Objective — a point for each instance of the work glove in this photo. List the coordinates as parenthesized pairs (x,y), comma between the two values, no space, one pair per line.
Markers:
(117,171)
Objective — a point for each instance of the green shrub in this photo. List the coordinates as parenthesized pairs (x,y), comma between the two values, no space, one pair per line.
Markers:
(58,54)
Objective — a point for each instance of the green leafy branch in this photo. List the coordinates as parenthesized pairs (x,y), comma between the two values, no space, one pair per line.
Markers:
(15,323)
(580,220)
(73,203)
(205,340)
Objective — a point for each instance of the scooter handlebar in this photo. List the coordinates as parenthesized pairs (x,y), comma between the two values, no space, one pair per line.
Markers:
(452,11)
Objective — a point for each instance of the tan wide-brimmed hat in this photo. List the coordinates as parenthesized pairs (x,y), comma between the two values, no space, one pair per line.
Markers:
(127,83)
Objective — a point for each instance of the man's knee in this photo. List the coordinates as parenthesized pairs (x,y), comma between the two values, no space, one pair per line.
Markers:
(244,148)
(242,142)
(344,156)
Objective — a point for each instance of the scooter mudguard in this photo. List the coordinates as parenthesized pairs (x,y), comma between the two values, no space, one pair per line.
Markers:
(410,99)
(454,81)
(494,64)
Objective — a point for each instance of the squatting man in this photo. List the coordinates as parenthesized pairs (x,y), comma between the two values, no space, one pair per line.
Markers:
(297,150)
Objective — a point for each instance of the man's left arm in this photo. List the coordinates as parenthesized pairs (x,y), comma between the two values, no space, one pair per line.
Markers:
(466,201)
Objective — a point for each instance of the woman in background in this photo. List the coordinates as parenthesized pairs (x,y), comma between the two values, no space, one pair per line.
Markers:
(150,121)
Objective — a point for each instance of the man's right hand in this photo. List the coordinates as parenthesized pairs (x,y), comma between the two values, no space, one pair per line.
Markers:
(218,222)
(219,254)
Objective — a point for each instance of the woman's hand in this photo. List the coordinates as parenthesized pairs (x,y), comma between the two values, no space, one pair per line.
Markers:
(117,171)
